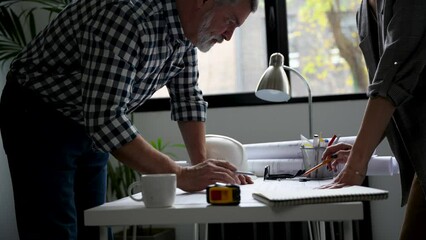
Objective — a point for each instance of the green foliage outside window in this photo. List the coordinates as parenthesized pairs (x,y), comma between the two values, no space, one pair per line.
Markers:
(323,33)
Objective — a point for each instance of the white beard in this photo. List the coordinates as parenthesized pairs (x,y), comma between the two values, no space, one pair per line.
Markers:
(205,39)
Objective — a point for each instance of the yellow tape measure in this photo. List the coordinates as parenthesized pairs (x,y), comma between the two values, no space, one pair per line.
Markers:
(223,194)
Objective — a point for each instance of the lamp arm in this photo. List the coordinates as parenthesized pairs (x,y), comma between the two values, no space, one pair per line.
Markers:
(309,96)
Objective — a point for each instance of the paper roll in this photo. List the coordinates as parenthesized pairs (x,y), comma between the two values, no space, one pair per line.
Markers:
(281,150)
(382,166)
(378,166)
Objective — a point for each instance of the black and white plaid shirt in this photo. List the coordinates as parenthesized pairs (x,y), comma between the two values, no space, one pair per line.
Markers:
(101,59)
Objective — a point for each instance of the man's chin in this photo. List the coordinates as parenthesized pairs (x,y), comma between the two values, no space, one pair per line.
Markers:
(205,44)
(205,47)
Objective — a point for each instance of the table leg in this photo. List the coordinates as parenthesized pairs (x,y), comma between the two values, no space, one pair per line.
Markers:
(348,230)
(201,231)
(333,237)
(103,233)
(322,230)
(317,230)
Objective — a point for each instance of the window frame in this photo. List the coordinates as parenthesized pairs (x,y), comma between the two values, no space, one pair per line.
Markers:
(277,41)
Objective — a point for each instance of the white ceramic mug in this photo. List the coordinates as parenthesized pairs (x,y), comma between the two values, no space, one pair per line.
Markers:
(158,190)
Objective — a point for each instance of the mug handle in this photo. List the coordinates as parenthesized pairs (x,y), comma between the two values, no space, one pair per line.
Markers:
(130,191)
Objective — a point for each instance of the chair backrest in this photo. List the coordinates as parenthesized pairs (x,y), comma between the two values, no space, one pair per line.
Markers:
(226,148)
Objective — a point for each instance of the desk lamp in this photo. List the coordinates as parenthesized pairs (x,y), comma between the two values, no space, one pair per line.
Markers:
(273,86)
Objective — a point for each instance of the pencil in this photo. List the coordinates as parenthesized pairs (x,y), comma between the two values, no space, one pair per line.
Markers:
(332,140)
(326,161)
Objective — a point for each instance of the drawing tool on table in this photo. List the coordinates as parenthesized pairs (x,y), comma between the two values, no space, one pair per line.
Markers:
(325,162)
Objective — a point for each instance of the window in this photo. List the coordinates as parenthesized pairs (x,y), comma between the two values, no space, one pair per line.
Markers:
(235,66)
(323,47)
(317,37)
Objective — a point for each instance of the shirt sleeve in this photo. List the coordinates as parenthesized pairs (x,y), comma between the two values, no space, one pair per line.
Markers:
(109,48)
(404,51)
(186,98)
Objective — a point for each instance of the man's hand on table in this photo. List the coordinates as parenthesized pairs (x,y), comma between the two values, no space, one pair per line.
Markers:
(199,176)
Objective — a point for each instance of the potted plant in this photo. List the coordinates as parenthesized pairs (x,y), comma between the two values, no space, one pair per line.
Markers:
(18,24)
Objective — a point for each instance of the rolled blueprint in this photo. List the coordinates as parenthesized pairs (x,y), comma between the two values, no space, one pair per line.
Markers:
(281,150)
(378,166)
(382,166)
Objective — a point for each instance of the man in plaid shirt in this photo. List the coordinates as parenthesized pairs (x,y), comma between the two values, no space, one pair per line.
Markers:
(68,93)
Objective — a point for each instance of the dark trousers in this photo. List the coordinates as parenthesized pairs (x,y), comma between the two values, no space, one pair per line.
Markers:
(414,225)
(56,174)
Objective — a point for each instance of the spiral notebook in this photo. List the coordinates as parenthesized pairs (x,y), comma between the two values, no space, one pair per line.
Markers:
(286,193)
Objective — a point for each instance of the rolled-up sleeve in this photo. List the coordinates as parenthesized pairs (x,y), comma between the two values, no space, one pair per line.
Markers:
(109,47)
(186,98)
(404,52)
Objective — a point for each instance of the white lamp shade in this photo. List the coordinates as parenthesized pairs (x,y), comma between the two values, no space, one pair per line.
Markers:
(273,85)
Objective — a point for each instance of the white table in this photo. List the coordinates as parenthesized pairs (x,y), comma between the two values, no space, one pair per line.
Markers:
(192,208)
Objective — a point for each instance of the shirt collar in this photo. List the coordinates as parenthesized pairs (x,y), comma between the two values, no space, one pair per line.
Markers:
(172,18)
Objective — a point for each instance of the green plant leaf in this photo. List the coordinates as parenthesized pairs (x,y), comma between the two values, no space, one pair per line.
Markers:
(60,4)
(160,146)
(31,24)
(119,178)
(13,26)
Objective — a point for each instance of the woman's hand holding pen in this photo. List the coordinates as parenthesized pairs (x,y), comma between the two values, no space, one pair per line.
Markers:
(339,153)
(349,175)
(376,118)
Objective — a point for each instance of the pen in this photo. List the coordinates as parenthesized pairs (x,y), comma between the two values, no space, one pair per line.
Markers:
(244,173)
